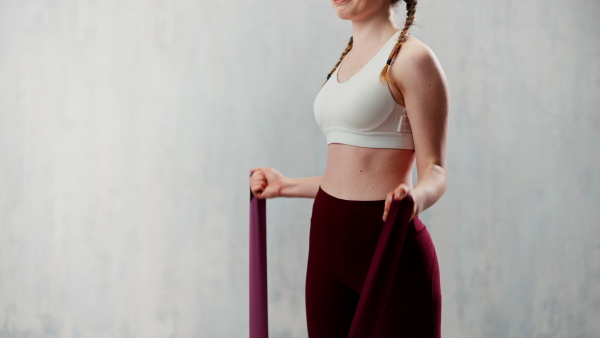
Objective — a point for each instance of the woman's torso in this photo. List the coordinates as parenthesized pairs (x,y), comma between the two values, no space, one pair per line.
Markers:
(360,173)
(357,173)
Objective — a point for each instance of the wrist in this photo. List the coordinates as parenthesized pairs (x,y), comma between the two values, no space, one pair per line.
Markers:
(417,199)
(285,186)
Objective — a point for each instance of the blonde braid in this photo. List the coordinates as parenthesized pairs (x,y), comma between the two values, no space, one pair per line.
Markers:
(411,8)
(340,60)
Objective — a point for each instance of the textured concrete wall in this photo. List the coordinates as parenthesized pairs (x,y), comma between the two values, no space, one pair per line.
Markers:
(128,127)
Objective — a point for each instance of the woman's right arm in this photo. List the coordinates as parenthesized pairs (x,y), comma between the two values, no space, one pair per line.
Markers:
(300,187)
(268,183)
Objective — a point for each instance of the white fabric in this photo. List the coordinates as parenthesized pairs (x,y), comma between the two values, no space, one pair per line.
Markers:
(361,111)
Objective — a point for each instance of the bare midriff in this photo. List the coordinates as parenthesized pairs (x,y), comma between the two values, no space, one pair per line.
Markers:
(366,174)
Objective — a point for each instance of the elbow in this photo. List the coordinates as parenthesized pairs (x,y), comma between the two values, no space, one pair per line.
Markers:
(442,174)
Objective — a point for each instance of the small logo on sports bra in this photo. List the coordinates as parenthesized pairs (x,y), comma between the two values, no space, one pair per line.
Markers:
(402,125)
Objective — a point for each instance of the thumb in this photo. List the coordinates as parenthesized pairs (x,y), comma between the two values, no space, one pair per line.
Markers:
(271,190)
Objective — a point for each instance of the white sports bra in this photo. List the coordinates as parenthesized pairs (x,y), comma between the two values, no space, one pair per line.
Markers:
(361,111)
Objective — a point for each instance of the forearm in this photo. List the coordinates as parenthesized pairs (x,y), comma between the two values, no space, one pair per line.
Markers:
(300,187)
(430,188)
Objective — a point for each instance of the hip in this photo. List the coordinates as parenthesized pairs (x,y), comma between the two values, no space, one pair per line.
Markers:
(357,219)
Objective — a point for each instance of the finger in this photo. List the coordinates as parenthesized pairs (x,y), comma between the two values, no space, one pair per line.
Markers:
(258,177)
(257,173)
(257,181)
(259,184)
(252,171)
(388,200)
(400,194)
(257,187)
(386,206)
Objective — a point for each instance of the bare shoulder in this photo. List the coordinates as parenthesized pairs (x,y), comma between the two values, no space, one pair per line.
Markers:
(415,61)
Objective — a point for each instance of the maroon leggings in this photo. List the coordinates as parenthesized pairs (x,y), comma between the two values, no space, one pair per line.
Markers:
(343,238)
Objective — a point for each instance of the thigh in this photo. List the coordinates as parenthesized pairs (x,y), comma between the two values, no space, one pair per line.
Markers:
(330,304)
(414,303)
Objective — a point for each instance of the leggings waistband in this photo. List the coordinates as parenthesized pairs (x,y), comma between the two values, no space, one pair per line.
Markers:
(415,225)
(341,200)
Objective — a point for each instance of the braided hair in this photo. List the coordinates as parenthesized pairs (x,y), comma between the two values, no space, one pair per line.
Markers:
(411,8)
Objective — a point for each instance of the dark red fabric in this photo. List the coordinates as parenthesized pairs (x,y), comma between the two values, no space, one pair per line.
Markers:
(259,326)
(370,279)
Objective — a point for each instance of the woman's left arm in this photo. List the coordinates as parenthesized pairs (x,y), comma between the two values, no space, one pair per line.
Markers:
(425,90)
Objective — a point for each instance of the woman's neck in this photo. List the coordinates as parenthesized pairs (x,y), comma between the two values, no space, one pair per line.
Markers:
(373,31)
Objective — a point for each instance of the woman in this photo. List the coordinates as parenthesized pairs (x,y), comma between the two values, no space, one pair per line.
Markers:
(384,109)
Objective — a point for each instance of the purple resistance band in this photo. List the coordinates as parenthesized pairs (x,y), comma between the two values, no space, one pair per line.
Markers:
(259,313)
(385,260)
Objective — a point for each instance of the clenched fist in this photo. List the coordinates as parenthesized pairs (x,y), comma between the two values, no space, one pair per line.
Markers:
(265,182)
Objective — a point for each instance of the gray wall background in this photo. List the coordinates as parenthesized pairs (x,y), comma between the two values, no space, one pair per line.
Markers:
(127,129)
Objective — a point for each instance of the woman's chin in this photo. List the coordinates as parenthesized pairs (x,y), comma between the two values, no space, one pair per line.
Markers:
(340,2)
